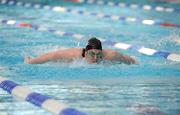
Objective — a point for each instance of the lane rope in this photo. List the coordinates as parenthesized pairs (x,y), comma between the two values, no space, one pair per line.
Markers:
(37,99)
(145,7)
(118,45)
(95,14)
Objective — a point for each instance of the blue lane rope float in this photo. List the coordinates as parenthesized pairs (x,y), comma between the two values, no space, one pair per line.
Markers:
(37,99)
(119,45)
(128,5)
(95,14)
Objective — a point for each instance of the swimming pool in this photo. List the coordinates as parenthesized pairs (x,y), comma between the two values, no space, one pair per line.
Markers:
(152,87)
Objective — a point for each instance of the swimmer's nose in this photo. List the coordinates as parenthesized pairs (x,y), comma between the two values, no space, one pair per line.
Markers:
(94,57)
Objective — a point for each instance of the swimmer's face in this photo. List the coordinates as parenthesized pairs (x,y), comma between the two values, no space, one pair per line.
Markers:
(94,56)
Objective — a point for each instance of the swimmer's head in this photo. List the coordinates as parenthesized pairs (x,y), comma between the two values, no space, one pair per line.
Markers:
(93,43)
(93,51)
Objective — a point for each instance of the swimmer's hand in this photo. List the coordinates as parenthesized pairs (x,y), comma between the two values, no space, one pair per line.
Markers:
(129,60)
(134,61)
(27,59)
(37,60)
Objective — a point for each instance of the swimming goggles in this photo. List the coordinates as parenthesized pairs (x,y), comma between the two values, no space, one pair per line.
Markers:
(91,54)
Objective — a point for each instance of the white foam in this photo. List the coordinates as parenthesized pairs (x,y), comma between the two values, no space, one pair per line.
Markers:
(78,36)
(174,37)
(143,109)
(78,62)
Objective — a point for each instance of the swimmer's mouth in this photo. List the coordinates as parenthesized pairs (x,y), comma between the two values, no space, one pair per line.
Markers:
(95,61)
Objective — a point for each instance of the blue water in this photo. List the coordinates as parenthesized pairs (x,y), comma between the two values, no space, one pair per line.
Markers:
(152,87)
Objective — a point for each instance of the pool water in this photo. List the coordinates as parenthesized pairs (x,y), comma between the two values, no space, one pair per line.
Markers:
(152,87)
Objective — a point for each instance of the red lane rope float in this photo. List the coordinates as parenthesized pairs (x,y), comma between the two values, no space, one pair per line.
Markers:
(170,25)
(25,25)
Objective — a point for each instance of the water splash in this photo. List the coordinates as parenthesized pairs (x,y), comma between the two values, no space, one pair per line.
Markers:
(143,109)
(175,37)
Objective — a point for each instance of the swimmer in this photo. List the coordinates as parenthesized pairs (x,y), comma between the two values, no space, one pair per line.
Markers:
(92,53)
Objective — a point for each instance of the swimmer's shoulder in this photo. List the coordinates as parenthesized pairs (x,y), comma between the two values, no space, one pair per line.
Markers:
(72,52)
(75,50)
(109,52)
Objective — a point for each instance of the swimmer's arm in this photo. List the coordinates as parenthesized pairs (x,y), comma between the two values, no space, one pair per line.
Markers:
(68,54)
(41,59)
(124,58)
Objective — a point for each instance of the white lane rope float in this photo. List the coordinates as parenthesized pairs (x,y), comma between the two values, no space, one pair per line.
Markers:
(95,14)
(145,7)
(119,45)
(37,99)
